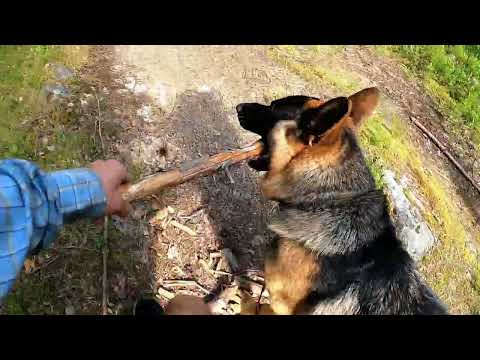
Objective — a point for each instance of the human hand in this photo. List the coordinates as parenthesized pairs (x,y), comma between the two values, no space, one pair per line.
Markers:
(114,177)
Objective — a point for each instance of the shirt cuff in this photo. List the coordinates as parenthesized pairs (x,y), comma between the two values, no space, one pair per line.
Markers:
(77,193)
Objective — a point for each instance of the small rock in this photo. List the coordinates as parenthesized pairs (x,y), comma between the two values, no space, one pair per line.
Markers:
(69,310)
(164,95)
(61,72)
(145,112)
(58,90)
(172,252)
(412,231)
(120,224)
(140,89)
(130,83)
(51,147)
(204,89)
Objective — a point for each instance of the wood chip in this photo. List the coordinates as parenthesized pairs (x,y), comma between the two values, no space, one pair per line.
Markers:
(220,273)
(185,283)
(204,265)
(220,264)
(183,228)
(165,293)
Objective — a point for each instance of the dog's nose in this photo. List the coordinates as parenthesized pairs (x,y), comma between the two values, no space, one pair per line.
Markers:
(239,108)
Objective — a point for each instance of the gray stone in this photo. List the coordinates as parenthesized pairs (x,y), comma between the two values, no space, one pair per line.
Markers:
(61,72)
(58,90)
(412,230)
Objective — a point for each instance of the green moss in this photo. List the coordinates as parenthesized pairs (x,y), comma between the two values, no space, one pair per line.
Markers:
(294,60)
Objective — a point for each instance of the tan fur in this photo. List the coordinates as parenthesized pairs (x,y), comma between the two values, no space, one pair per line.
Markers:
(363,104)
(289,160)
(289,276)
(312,104)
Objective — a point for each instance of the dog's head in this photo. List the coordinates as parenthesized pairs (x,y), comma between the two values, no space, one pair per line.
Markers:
(313,116)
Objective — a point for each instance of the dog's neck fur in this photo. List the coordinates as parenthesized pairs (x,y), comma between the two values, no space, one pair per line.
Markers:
(310,213)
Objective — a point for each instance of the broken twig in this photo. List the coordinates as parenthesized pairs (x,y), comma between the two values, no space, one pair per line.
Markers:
(104,275)
(185,283)
(444,150)
(183,228)
(165,293)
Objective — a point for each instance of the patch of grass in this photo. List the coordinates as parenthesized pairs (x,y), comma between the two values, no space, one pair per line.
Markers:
(25,117)
(296,60)
(32,129)
(451,74)
(274,93)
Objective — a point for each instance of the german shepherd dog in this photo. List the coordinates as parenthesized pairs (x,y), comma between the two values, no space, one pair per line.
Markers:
(335,250)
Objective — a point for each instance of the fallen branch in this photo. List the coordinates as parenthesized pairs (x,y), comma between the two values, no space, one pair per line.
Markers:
(104,275)
(446,152)
(190,170)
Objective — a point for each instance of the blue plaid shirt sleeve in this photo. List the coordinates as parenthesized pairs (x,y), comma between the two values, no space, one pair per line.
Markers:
(34,205)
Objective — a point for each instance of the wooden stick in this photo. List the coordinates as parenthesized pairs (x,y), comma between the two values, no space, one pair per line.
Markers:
(446,152)
(190,170)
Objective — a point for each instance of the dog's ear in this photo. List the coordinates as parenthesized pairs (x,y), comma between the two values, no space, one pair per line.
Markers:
(363,104)
(317,121)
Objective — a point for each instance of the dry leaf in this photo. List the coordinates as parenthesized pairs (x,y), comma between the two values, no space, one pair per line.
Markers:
(29,265)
